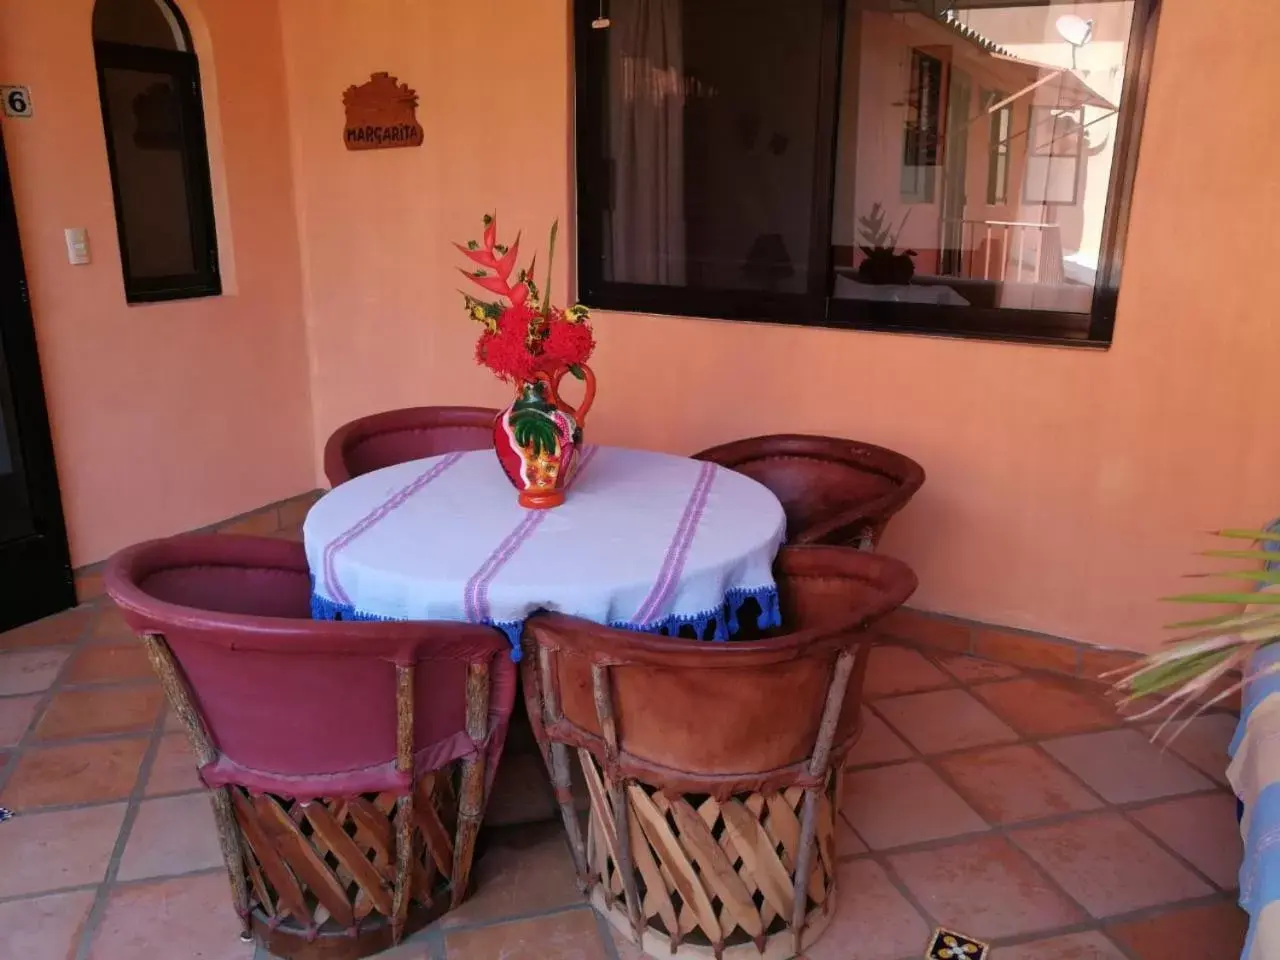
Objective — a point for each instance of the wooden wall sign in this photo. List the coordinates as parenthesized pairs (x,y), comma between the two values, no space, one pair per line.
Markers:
(381,114)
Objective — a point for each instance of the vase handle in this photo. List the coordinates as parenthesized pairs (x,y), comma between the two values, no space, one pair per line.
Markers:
(579,413)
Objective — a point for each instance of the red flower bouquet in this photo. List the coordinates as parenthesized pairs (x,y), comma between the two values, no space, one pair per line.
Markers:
(526,334)
(530,344)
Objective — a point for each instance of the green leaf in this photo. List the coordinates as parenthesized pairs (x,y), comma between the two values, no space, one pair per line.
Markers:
(551,258)
(1233,598)
(577,371)
(487,219)
(1265,535)
(1265,556)
(1253,576)
(1226,621)
(1176,673)
(472,245)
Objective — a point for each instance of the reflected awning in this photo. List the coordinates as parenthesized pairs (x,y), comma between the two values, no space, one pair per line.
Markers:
(1066,89)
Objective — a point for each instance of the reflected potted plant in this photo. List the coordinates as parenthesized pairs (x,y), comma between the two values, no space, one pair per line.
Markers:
(883,264)
(1203,665)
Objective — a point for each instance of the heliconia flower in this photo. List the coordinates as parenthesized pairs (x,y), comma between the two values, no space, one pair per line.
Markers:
(525,336)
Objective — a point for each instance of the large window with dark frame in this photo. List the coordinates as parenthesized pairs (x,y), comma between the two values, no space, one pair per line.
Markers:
(960,167)
(149,85)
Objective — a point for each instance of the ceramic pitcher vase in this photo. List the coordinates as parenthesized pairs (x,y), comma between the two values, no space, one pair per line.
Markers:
(538,438)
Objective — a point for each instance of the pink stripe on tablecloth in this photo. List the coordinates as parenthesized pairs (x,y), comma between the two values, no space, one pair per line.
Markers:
(476,597)
(371,519)
(588,454)
(678,551)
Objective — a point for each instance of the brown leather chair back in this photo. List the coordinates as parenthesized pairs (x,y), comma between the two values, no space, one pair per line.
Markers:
(719,718)
(834,491)
(398,436)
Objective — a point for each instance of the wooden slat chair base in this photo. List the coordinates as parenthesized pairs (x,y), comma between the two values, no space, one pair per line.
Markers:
(710,871)
(321,874)
(713,769)
(348,763)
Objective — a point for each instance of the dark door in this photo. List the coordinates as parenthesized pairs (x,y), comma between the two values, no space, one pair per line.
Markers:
(35,569)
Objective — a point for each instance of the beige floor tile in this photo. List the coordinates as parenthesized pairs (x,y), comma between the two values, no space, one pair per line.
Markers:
(1202,743)
(943,720)
(873,921)
(29,671)
(171,835)
(968,669)
(523,870)
(895,670)
(44,928)
(1108,865)
(16,714)
(83,713)
(1203,830)
(109,663)
(65,628)
(76,773)
(1213,932)
(50,851)
(572,935)
(877,743)
(1016,782)
(984,888)
(1123,766)
(174,768)
(1075,946)
(904,804)
(183,918)
(1039,707)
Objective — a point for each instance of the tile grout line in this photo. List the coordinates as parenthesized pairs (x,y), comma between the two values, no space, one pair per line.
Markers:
(1004,831)
(1138,825)
(995,830)
(135,800)
(46,698)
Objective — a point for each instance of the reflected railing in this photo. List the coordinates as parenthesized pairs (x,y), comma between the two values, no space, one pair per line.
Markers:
(993,249)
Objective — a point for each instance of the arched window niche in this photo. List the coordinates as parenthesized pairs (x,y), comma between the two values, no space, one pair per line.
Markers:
(153,118)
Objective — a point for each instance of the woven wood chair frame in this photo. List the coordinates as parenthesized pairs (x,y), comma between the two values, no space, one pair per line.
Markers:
(345,877)
(751,875)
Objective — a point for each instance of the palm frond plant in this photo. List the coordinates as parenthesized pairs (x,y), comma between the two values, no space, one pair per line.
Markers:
(1198,668)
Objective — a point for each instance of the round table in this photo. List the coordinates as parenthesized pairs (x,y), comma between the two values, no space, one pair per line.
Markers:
(645,541)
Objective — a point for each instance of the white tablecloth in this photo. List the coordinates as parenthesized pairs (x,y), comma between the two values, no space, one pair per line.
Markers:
(645,541)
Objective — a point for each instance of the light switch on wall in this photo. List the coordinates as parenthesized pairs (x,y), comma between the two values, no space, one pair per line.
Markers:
(77,246)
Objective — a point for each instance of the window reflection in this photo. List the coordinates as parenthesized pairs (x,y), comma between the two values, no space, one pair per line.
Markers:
(982,135)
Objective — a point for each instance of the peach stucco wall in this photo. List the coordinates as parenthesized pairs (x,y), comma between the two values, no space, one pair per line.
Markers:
(1066,487)
(165,417)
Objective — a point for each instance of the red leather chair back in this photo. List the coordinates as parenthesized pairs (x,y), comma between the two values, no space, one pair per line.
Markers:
(833,491)
(293,705)
(398,436)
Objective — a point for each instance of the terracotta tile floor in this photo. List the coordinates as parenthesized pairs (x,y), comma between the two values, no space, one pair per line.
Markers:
(1012,806)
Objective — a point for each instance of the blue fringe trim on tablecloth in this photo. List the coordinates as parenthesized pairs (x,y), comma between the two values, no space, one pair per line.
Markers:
(723,621)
